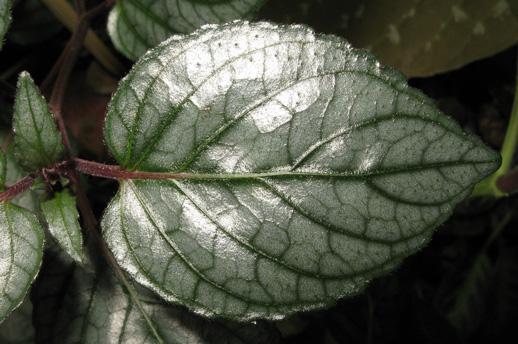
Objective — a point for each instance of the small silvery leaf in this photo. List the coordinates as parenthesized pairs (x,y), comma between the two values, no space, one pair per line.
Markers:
(38,143)
(60,211)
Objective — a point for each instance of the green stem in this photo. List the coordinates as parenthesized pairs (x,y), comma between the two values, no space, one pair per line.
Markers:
(491,186)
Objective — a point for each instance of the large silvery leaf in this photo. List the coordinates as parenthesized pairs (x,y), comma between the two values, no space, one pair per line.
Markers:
(21,248)
(137,25)
(38,142)
(5,19)
(295,169)
(85,303)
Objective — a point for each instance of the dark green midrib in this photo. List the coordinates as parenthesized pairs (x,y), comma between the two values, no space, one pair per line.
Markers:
(249,246)
(352,175)
(61,208)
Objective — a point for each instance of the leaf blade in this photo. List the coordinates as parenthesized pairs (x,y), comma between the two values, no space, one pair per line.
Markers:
(21,250)
(165,18)
(102,312)
(59,209)
(38,143)
(423,39)
(300,169)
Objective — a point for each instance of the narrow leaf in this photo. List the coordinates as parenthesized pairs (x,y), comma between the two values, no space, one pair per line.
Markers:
(85,302)
(5,19)
(137,25)
(21,248)
(299,169)
(38,143)
(60,211)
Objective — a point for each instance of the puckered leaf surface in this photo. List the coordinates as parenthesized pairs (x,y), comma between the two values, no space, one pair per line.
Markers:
(86,303)
(21,248)
(297,170)
(137,25)
(38,142)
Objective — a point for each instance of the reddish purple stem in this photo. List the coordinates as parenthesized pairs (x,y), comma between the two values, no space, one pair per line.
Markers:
(115,172)
(14,190)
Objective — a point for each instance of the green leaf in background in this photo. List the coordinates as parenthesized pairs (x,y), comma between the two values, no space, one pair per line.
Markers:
(5,19)
(60,211)
(422,38)
(38,143)
(137,25)
(17,328)
(85,301)
(21,248)
(299,169)
(418,37)
(470,298)
(3,170)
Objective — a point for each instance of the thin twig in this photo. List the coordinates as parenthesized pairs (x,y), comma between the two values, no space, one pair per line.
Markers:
(66,14)
(115,172)
(54,70)
(58,92)
(19,187)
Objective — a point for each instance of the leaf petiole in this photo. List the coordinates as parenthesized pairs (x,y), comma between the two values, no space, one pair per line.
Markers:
(18,188)
(503,182)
